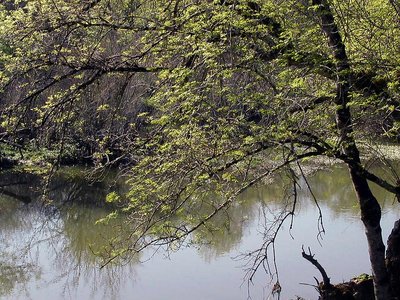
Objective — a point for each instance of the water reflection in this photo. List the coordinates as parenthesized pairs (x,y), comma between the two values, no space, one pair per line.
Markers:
(48,250)
(53,244)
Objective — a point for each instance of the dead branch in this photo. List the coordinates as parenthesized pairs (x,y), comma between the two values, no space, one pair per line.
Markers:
(312,260)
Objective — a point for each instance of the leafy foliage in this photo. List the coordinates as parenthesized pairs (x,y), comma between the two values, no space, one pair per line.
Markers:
(202,95)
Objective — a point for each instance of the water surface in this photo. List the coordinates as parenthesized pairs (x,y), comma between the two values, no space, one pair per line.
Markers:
(47,251)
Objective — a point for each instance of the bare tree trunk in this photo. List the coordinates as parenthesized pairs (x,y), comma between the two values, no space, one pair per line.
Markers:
(393,260)
(371,217)
(369,206)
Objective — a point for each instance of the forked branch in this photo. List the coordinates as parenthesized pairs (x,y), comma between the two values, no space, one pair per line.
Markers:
(313,261)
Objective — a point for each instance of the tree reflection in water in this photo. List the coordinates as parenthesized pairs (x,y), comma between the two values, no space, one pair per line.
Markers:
(62,233)
(53,249)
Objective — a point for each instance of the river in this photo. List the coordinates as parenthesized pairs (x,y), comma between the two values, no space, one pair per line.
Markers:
(48,251)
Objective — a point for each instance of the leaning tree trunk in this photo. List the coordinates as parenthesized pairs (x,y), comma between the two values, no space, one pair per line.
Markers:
(371,217)
(369,206)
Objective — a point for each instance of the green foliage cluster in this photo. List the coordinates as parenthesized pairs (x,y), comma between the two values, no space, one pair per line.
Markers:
(201,96)
(61,79)
(247,81)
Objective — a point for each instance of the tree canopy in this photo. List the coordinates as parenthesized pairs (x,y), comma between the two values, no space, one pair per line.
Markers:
(206,97)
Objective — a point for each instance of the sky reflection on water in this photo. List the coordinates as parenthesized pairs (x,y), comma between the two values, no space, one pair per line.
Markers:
(63,266)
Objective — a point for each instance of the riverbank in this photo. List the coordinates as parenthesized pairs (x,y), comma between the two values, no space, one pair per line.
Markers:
(41,160)
(33,159)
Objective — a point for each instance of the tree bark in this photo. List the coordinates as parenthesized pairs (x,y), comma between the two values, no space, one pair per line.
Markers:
(369,206)
(371,217)
(393,260)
